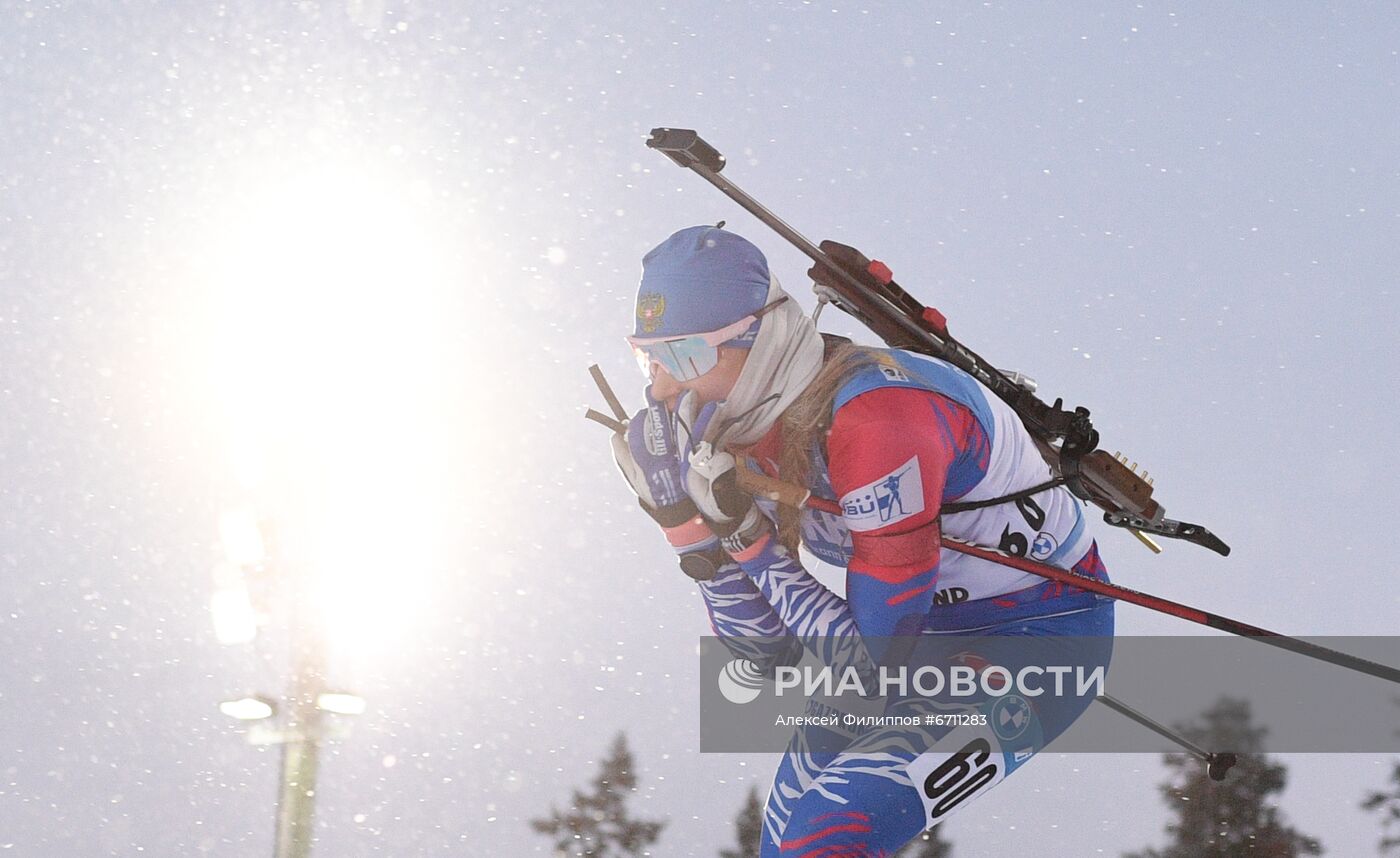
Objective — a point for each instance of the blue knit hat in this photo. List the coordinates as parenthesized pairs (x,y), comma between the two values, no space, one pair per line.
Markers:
(698,280)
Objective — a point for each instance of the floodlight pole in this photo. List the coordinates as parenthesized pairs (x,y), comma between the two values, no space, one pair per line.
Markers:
(301,750)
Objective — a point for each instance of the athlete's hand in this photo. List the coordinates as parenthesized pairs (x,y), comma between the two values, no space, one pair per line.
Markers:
(649,458)
(711,481)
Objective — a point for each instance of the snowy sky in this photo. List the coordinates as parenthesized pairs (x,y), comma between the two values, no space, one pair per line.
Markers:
(346,264)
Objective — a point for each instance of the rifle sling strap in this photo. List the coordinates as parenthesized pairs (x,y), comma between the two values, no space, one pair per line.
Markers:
(950,508)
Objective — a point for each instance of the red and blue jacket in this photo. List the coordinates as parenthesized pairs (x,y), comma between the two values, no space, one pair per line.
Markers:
(907,436)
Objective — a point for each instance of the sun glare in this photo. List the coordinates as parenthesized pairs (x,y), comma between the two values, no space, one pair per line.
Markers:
(323,349)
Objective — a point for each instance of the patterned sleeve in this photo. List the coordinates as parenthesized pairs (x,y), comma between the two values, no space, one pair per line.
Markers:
(742,618)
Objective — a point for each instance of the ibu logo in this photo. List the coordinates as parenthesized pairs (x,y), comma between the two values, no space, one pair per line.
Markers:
(889,499)
(740,681)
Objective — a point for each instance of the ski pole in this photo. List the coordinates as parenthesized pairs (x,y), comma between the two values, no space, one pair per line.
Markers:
(1217,762)
(796,496)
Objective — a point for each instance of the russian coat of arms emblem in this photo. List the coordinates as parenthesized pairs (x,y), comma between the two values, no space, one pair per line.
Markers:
(650,308)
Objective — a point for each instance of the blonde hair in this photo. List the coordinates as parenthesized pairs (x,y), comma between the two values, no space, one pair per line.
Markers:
(806,422)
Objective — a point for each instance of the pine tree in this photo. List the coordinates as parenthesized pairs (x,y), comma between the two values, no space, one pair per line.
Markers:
(597,824)
(930,844)
(1387,804)
(1235,817)
(748,829)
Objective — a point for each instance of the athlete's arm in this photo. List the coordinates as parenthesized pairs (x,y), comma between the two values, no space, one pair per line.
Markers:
(742,618)
(809,610)
(891,452)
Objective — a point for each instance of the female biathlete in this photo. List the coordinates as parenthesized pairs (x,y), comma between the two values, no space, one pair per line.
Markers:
(906,445)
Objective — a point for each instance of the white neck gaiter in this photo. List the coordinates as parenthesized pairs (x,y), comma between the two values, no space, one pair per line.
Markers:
(786,356)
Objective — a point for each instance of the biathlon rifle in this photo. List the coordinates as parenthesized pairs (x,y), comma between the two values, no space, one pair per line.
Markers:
(866,290)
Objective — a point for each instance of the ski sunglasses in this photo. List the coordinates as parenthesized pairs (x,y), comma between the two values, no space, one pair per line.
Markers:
(689,357)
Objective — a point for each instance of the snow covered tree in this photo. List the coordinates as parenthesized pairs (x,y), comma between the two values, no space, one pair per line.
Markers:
(597,824)
(748,828)
(930,844)
(1387,804)
(1235,817)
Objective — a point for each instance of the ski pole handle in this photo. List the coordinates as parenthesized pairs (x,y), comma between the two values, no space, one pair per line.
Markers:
(618,411)
(617,426)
